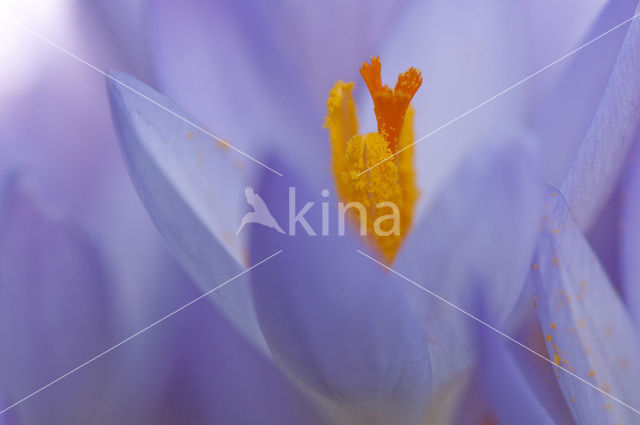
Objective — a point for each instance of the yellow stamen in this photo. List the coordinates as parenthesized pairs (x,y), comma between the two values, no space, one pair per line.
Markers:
(343,125)
(391,183)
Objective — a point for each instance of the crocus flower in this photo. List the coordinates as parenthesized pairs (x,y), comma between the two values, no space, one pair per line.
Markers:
(356,342)
(345,326)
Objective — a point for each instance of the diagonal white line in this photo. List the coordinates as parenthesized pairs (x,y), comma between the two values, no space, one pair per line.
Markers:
(511,87)
(499,332)
(138,333)
(175,114)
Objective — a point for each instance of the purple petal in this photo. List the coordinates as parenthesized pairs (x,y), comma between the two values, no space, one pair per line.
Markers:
(586,326)
(476,408)
(121,26)
(512,397)
(336,321)
(605,237)
(323,42)
(7,418)
(567,109)
(265,74)
(263,57)
(556,28)
(456,78)
(478,236)
(196,368)
(630,236)
(605,147)
(192,188)
(231,381)
(59,131)
(54,312)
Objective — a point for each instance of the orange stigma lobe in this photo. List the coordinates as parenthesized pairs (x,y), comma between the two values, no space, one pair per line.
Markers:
(390,105)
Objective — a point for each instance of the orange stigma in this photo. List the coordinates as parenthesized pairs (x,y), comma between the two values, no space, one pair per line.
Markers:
(390,105)
(382,194)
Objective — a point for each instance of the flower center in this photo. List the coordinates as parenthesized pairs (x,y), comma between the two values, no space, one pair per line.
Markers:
(382,199)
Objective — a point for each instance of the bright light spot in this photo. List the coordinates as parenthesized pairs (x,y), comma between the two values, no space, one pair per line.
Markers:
(21,52)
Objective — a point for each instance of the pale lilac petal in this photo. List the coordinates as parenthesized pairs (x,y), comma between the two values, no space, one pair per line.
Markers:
(478,236)
(8,418)
(587,328)
(539,376)
(54,312)
(263,57)
(260,73)
(501,377)
(605,147)
(563,115)
(119,26)
(466,55)
(335,320)
(630,236)
(192,187)
(196,368)
(553,29)
(476,408)
(228,381)
(514,384)
(605,237)
(524,326)
(323,42)
(59,131)
(230,87)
